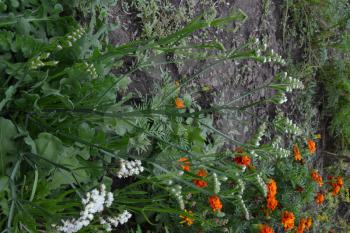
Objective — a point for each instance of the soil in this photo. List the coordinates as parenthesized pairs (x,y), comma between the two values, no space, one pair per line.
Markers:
(227,80)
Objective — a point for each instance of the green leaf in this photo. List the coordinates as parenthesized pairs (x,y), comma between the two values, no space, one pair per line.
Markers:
(7,145)
(11,90)
(49,146)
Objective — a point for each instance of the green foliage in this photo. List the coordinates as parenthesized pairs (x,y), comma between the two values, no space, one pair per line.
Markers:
(66,124)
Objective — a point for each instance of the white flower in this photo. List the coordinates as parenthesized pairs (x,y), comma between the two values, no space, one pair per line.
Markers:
(93,203)
(129,168)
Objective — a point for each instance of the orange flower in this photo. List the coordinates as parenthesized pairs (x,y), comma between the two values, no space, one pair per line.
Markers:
(340,181)
(308,223)
(272,203)
(319,198)
(186,164)
(336,185)
(288,220)
(296,151)
(312,146)
(215,203)
(242,160)
(187,219)
(201,183)
(179,103)
(265,229)
(317,178)
(271,188)
(336,190)
(302,226)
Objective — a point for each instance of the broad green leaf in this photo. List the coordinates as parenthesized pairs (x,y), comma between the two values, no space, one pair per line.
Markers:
(49,146)
(8,95)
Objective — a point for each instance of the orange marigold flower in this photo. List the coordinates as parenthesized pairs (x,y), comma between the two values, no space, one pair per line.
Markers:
(317,178)
(308,223)
(319,198)
(272,203)
(302,226)
(186,164)
(336,190)
(201,183)
(288,220)
(179,103)
(336,184)
(271,188)
(242,160)
(340,181)
(183,159)
(187,218)
(265,229)
(215,203)
(312,146)
(296,151)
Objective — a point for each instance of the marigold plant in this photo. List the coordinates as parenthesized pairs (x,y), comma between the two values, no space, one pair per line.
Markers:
(311,146)
(179,104)
(319,199)
(287,220)
(215,203)
(296,152)
(201,183)
(265,229)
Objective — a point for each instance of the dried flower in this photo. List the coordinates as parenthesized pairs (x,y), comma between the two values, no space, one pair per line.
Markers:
(265,229)
(179,103)
(308,223)
(312,146)
(215,203)
(296,151)
(288,220)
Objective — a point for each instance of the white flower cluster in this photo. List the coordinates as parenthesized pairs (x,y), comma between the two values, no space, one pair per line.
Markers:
(176,191)
(274,57)
(217,183)
(280,98)
(129,168)
(262,184)
(259,134)
(115,221)
(286,125)
(279,151)
(90,68)
(291,83)
(241,186)
(94,202)
(37,62)
(74,36)
(254,154)
(244,207)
